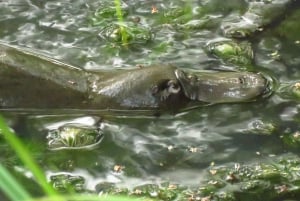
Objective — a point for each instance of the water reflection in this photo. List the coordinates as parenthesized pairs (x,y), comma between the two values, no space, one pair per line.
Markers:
(170,147)
(178,148)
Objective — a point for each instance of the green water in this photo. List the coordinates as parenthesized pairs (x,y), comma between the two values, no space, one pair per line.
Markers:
(175,148)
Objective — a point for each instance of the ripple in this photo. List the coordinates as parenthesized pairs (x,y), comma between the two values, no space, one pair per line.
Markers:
(175,148)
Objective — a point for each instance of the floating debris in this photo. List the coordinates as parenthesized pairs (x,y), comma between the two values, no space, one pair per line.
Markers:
(118,168)
(154,9)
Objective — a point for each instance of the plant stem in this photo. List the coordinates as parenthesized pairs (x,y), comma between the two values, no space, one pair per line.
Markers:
(11,187)
(25,157)
(121,21)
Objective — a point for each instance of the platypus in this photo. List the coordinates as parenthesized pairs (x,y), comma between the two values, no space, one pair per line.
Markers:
(32,80)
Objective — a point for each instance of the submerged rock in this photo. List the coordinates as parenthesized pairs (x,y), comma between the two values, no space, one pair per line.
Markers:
(106,13)
(274,178)
(291,140)
(74,136)
(289,91)
(258,15)
(134,33)
(289,28)
(270,180)
(67,182)
(259,127)
(232,52)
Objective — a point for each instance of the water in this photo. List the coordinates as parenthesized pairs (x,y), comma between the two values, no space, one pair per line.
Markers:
(176,148)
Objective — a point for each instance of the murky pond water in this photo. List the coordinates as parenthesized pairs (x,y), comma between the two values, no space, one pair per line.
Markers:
(140,149)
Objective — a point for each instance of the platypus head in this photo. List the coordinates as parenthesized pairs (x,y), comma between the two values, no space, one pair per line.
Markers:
(223,87)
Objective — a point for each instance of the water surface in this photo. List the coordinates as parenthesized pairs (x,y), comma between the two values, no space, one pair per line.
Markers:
(177,148)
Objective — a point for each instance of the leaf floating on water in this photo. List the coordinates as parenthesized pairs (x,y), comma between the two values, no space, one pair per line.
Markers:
(154,10)
(193,149)
(172,187)
(213,172)
(118,168)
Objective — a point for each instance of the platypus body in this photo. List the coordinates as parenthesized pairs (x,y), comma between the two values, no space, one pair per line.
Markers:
(31,80)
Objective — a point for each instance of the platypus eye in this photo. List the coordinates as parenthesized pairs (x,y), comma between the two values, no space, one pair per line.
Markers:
(173,87)
(160,86)
(165,88)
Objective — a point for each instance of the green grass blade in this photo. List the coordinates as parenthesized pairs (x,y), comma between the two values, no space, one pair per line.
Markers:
(11,187)
(25,156)
(120,19)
